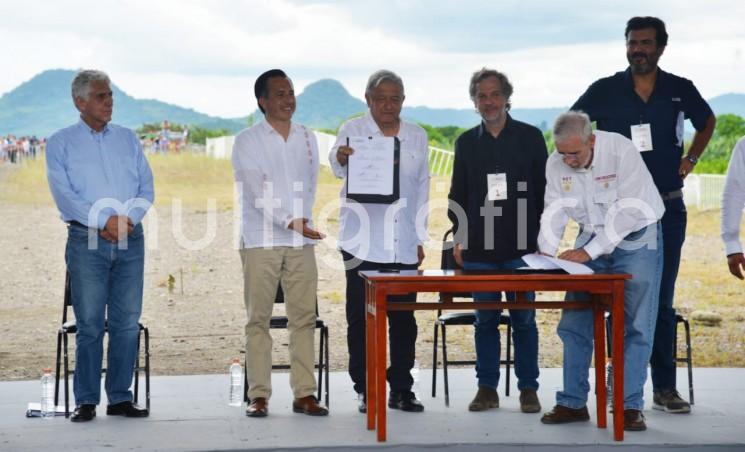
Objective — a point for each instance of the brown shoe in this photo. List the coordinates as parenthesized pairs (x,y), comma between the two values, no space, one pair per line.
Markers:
(562,414)
(529,401)
(259,407)
(310,406)
(633,421)
(485,399)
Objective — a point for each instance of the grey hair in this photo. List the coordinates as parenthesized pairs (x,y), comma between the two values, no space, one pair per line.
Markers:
(81,84)
(572,123)
(485,73)
(381,76)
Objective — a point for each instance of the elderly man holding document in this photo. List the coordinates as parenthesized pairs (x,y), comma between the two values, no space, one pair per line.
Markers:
(600,181)
(383,205)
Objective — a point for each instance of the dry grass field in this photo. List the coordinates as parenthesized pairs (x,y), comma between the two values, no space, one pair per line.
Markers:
(197,323)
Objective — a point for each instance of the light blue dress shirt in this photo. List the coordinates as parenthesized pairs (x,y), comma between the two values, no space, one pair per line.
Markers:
(94,175)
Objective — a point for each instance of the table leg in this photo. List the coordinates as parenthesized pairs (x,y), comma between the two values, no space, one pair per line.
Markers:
(599,320)
(371,384)
(381,336)
(617,340)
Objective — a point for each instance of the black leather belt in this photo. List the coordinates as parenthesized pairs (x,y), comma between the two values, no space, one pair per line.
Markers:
(670,195)
(78,224)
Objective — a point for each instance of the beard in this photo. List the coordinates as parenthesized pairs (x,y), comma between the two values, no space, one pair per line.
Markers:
(645,65)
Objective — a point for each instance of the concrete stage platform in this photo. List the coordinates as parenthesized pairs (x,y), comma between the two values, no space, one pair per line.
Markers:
(191,413)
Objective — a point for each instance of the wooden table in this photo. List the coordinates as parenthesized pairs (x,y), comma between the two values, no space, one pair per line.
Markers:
(606,294)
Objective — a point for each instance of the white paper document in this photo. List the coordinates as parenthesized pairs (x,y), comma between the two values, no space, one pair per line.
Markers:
(370,169)
(542,262)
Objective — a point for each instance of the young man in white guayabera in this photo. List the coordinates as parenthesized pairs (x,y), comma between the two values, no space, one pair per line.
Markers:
(384,236)
(499,169)
(275,164)
(600,181)
(733,202)
(103,186)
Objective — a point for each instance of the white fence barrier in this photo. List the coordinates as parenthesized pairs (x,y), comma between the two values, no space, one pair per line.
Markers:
(440,161)
(703,191)
(222,147)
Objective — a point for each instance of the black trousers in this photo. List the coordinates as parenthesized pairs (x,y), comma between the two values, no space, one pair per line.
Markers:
(402,329)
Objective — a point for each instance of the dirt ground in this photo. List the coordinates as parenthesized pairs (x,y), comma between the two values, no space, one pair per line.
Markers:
(197,326)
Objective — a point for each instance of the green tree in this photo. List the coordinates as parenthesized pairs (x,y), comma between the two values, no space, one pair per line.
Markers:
(200,134)
(716,157)
(155,127)
(548,136)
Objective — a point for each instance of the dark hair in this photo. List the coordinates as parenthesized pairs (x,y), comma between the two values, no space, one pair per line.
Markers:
(262,81)
(485,73)
(640,23)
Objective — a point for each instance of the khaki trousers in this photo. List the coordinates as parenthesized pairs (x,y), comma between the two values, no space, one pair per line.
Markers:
(263,270)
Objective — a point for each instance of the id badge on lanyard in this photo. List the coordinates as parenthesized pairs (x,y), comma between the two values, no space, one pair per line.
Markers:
(641,135)
(496,186)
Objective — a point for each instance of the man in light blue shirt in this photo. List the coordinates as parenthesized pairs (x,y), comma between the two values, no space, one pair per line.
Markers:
(103,186)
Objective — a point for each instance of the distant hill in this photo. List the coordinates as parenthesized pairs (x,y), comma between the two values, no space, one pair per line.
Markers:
(43,105)
(326,103)
(728,103)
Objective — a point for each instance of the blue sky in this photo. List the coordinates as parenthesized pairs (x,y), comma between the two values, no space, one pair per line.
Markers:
(206,54)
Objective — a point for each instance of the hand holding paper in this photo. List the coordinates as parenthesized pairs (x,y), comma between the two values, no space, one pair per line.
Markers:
(343,153)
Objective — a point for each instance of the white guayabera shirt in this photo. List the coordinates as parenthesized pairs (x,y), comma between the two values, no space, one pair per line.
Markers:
(386,233)
(614,197)
(276,182)
(733,200)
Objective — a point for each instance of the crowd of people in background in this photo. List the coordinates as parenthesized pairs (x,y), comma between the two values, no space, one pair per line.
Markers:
(164,140)
(16,149)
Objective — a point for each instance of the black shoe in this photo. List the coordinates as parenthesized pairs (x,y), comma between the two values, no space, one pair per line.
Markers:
(670,400)
(405,401)
(127,409)
(361,402)
(84,413)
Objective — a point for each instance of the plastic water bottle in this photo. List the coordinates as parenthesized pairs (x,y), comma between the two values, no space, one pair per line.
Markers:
(48,410)
(415,376)
(236,383)
(609,382)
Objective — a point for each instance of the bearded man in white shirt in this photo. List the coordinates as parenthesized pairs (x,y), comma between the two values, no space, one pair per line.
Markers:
(384,236)
(599,180)
(275,165)
(733,202)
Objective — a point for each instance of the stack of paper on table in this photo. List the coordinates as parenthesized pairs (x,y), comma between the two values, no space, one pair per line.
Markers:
(542,262)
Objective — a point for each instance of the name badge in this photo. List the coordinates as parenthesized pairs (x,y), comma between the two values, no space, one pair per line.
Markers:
(496,186)
(641,135)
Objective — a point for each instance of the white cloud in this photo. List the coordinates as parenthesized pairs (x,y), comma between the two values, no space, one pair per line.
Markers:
(205,55)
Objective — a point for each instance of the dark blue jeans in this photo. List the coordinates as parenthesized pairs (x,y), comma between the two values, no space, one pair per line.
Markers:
(104,277)
(402,330)
(487,338)
(673,235)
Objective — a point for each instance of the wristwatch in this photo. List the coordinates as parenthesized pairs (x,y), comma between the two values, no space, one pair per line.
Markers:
(691,158)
